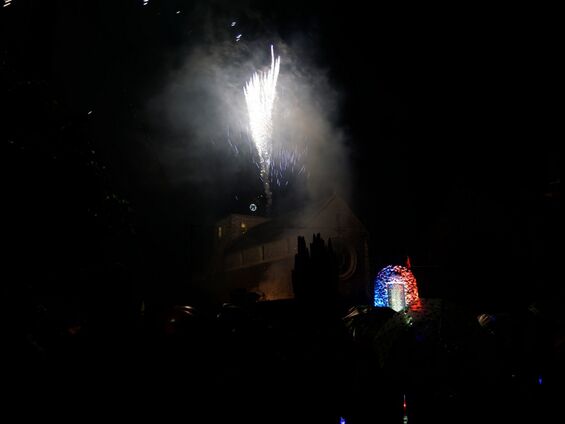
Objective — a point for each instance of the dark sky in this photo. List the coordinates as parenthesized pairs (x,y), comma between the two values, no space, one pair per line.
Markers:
(447,113)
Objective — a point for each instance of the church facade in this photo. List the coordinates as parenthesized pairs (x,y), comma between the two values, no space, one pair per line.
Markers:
(257,254)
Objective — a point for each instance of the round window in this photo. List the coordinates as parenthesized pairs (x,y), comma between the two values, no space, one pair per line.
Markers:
(346,258)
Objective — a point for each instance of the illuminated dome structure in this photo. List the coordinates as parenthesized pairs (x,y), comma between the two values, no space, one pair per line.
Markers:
(396,288)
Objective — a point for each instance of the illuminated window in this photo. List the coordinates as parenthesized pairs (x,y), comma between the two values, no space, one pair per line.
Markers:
(219,232)
(396,297)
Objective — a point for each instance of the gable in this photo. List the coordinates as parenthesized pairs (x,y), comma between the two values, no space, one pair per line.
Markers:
(335,213)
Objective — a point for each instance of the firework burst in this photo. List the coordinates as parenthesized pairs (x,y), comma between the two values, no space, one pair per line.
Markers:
(260,93)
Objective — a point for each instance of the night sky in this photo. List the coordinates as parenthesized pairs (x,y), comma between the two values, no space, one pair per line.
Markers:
(445,113)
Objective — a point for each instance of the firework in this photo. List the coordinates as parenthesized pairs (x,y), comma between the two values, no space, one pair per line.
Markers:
(260,93)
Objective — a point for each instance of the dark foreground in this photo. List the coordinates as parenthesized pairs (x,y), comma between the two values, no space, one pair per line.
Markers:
(286,362)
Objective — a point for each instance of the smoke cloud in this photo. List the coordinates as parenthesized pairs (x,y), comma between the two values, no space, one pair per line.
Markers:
(202,111)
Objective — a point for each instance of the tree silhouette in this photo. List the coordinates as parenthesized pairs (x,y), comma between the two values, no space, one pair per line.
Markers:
(315,274)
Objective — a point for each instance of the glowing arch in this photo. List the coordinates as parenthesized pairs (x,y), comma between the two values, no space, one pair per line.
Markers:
(396,288)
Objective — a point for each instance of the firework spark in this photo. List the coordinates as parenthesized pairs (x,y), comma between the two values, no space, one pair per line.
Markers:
(260,93)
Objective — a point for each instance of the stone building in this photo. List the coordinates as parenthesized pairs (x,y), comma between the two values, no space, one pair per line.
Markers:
(257,253)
